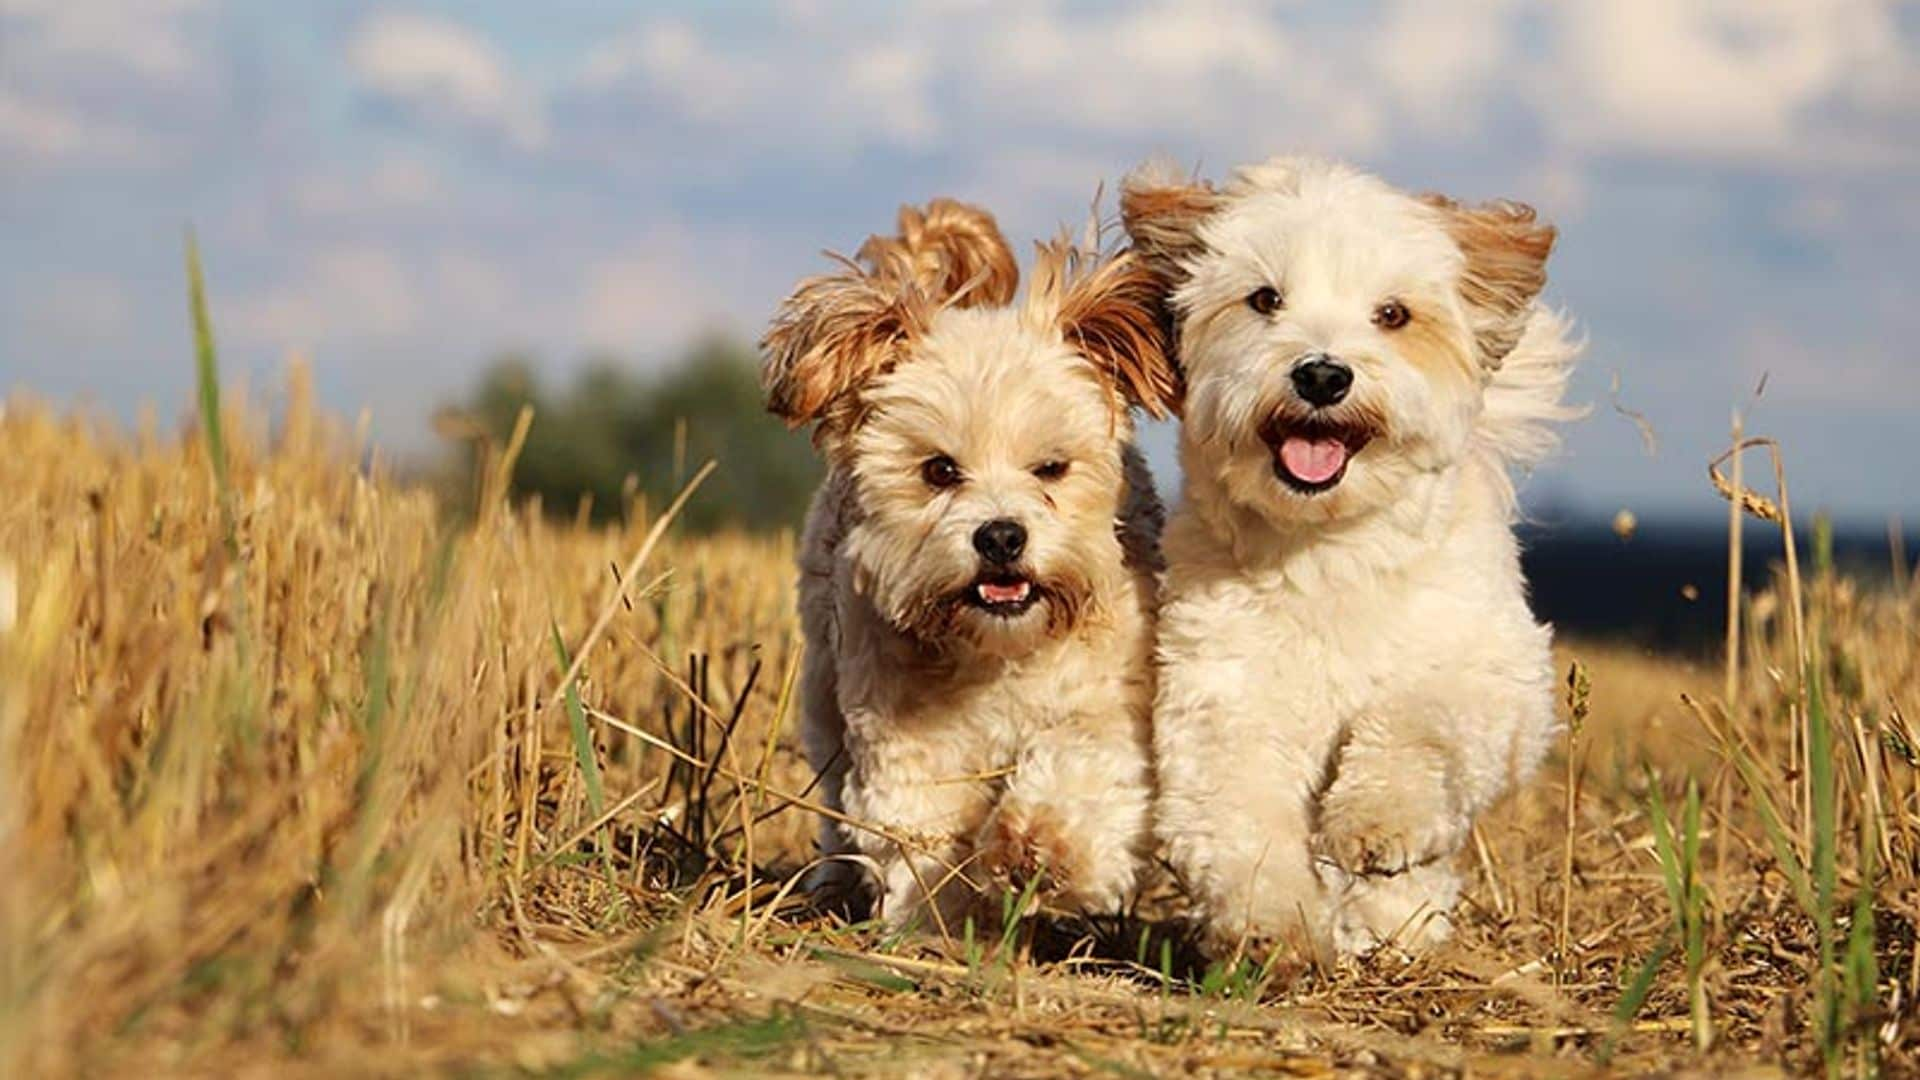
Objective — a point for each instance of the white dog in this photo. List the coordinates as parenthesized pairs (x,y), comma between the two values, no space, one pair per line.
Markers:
(977,575)
(1349,670)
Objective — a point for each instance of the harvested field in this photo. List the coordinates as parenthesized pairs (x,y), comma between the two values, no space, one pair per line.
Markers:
(299,775)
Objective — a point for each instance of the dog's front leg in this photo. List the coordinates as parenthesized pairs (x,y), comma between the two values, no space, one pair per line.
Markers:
(1237,775)
(1395,800)
(1388,826)
(1408,783)
(1073,817)
(914,809)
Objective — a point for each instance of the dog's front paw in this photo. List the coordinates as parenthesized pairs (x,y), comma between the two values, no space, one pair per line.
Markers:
(1023,848)
(1375,836)
(840,887)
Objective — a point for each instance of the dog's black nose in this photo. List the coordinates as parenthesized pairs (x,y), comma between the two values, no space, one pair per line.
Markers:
(1321,380)
(1000,541)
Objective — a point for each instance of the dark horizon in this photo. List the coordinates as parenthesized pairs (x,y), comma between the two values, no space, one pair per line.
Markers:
(1665,586)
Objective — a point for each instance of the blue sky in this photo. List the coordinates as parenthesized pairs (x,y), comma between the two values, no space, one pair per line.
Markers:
(399,191)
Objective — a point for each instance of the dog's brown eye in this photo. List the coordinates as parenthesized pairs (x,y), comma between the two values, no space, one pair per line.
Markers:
(1391,315)
(1265,299)
(1050,470)
(940,471)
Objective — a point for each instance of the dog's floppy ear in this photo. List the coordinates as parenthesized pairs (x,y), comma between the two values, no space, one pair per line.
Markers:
(953,250)
(1506,248)
(1162,209)
(1110,311)
(836,332)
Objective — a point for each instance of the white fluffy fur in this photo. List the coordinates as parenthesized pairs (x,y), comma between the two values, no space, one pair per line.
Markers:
(1346,678)
(974,749)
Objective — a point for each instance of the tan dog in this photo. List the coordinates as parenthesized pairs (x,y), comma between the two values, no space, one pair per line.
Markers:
(1349,671)
(977,572)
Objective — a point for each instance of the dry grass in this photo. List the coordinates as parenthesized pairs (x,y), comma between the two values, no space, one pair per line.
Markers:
(291,780)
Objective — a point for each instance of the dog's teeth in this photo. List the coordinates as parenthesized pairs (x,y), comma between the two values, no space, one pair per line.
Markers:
(1002,594)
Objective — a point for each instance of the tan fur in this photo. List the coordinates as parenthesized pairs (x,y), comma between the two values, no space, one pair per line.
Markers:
(1111,310)
(1506,250)
(836,332)
(1430,343)
(1161,210)
(977,743)
(955,251)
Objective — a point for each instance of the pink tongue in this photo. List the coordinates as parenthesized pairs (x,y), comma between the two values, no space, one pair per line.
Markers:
(1003,594)
(1314,461)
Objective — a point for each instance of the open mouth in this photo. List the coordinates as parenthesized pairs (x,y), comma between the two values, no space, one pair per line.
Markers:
(1005,595)
(1312,457)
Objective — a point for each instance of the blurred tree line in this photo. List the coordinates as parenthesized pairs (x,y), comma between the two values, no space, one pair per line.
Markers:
(613,435)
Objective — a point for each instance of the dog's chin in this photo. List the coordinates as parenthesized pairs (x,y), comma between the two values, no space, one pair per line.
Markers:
(1311,455)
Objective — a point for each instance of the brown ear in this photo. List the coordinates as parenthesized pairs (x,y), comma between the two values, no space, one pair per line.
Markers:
(1506,249)
(953,250)
(835,333)
(1162,211)
(1112,314)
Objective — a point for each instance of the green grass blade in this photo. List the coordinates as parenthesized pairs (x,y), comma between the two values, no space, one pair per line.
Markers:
(582,738)
(1663,846)
(1820,776)
(207,368)
(970,946)
(1825,828)
(207,376)
(368,798)
(1862,970)
(1635,995)
(1783,853)
(1693,916)
(736,1042)
(1690,832)
(1636,992)
(583,752)
(1017,913)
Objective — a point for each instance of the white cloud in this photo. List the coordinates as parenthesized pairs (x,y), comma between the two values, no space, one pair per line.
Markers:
(349,292)
(1768,81)
(104,83)
(49,132)
(878,87)
(394,184)
(1717,78)
(444,71)
(147,36)
(1220,72)
(1442,61)
(955,74)
(670,59)
(469,284)
(1038,190)
(893,79)
(647,300)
